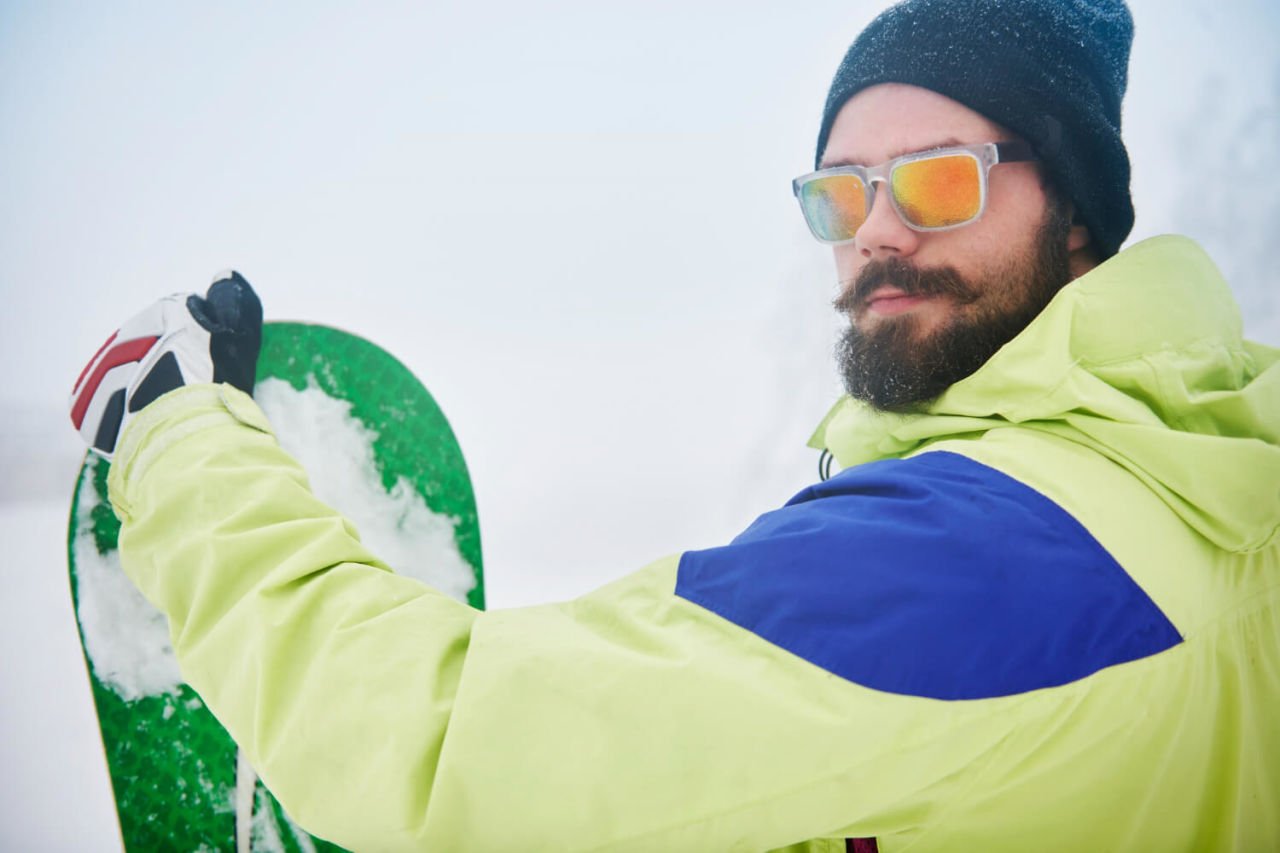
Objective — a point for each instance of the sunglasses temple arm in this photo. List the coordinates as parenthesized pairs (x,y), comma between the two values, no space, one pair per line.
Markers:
(1014,152)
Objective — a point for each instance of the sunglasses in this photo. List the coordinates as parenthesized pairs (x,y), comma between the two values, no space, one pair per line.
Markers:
(931,190)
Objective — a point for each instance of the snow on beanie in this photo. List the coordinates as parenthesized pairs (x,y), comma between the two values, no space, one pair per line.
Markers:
(1052,71)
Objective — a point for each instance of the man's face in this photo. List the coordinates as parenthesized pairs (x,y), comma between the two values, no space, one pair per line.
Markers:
(926,309)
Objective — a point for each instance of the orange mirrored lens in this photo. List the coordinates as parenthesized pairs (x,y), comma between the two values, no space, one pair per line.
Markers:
(835,206)
(938,191)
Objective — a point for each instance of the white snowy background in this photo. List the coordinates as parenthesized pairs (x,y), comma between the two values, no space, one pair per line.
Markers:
(572,220)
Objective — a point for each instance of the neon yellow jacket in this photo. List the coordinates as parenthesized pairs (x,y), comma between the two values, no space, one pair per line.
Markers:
(1042,614)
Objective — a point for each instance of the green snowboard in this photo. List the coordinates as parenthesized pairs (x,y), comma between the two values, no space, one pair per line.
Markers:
(369,433)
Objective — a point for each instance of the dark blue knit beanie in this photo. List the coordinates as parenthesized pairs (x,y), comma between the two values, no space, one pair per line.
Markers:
(1051,71)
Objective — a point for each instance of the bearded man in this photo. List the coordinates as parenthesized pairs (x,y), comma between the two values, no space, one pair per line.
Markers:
(1039,607)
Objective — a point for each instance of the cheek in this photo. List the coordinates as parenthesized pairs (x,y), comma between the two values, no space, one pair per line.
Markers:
(1015,207)
(848,261)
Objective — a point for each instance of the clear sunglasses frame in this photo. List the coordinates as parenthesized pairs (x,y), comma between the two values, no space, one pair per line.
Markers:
(987,155)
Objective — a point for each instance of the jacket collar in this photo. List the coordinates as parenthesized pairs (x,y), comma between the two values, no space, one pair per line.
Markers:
(1143,359)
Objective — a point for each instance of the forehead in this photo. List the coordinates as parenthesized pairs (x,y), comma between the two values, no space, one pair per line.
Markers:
(885,121)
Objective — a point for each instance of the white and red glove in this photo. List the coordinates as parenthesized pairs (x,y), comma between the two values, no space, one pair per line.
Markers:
(183,339)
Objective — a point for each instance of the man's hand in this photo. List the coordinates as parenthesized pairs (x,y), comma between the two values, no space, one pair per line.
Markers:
(183,339)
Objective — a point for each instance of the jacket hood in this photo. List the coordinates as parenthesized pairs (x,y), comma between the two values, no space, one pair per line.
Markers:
(1142,359)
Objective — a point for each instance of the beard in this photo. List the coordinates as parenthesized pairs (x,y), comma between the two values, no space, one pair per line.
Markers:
(893,365)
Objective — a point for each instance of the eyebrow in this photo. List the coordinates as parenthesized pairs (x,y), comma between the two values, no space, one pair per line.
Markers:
(949,142)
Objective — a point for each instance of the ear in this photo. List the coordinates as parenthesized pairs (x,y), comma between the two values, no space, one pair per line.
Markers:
(1081,256)
(1078,238)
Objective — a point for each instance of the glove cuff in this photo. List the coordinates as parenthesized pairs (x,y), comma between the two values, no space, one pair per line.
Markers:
(170,419)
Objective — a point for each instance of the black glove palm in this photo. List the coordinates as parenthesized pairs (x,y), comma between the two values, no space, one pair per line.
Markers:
(232,315)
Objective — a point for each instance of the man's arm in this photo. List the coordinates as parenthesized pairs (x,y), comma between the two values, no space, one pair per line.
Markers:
(387,716)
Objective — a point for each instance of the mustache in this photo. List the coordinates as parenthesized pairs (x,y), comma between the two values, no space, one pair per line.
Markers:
(911,280)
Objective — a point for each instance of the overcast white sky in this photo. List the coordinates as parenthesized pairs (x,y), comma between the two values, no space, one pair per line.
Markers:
(573,220)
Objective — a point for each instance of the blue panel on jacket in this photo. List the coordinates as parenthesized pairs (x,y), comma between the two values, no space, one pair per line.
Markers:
(932,576)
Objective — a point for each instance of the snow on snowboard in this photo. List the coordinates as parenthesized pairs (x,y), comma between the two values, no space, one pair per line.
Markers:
(376,447)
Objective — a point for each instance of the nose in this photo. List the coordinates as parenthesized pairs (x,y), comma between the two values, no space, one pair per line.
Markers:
(884,234)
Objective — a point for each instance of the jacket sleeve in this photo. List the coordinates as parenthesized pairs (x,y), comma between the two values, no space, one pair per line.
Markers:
(387,716)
